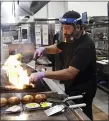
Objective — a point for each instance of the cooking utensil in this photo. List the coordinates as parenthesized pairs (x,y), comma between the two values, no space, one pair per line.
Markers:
(66,99)
(60,108)
(42,61)
(35,62)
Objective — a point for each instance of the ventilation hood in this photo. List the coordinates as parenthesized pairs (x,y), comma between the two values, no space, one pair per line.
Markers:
(29,8)
(13,11)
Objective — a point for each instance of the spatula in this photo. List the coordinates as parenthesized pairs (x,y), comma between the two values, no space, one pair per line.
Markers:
(66,99)
(59,108)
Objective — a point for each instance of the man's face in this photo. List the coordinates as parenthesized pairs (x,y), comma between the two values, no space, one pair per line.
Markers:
(67,29)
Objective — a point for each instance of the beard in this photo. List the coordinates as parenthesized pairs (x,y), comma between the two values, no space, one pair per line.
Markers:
(68,37)
(73,36)
(77,34)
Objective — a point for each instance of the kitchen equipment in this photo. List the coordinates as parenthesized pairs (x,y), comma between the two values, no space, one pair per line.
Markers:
(106,61)
(39,65)
(35,63)
(42,61)
(13,109)
(60,108)
(62,101)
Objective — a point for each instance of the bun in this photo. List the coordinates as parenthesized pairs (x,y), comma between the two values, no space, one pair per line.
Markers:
(13,100)
(40,98)
(3,102)
(27,99)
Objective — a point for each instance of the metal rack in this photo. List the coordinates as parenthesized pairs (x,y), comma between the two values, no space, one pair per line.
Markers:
(102,45)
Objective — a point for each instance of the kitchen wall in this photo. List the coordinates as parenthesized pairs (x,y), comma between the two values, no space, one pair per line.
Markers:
(92,8)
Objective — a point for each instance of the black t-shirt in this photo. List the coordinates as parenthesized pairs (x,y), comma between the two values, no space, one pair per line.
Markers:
(80,54)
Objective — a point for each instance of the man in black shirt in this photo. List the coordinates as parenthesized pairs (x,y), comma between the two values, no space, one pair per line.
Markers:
(78,55)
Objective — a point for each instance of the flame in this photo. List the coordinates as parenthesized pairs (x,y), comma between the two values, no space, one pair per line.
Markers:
(17,75)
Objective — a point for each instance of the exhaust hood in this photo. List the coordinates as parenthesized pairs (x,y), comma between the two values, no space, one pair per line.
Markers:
(29,8)
(13,12)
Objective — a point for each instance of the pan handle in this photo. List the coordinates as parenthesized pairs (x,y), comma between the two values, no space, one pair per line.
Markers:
(77,105)
(73,97)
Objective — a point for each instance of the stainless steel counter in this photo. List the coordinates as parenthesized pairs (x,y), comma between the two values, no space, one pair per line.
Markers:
(69,114)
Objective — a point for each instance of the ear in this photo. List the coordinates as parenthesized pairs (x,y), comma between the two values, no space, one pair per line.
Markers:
(77,27)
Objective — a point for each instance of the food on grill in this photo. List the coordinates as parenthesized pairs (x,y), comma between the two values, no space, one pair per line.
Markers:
(32,105)
(27,99)
(10,87)
(3,102)
(28,86)
(40,98)
(13,100)
(14,108)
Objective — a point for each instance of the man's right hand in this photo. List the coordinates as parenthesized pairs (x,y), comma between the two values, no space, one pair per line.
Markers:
(39,52)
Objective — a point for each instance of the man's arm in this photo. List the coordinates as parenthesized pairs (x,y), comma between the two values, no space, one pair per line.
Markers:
(52,49)
(65,74)
(80,61)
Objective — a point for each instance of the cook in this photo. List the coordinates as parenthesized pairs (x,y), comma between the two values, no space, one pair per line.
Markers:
(78,71)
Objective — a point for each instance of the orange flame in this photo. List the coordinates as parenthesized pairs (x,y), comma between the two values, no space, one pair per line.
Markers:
(17,75)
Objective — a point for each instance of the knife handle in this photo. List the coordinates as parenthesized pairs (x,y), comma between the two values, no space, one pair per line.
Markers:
(73,97)
(77,105)
(35,59)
